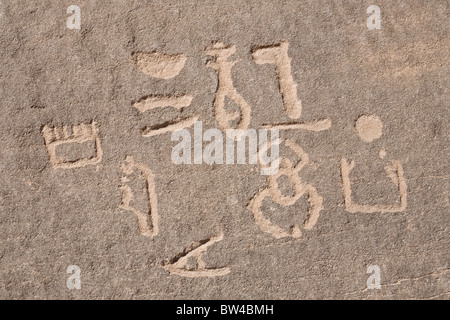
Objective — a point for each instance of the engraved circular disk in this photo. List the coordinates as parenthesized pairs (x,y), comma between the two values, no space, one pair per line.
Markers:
(369,127)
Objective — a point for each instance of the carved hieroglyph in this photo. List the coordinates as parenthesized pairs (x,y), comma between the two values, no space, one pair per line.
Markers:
(147,221)
(158,101)
(317,125)
(225,88)
(81,133)
(369,128)
(278,55)
(162,66)
(180,264)
(159,65)
(394,172)
(273,192)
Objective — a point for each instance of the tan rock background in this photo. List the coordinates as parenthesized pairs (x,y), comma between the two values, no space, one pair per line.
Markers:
(52,218)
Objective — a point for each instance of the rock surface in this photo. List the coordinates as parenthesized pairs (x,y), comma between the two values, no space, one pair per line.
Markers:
(79,177)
